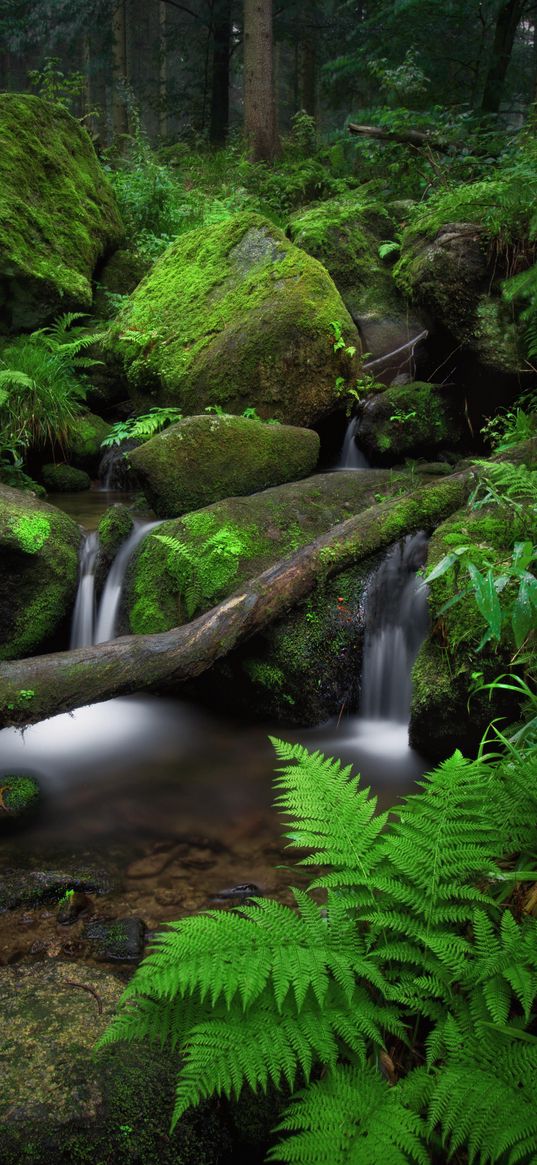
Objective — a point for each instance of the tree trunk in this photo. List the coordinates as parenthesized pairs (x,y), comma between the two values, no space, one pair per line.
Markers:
(259,105)
(504,38)
(70,679)
(219,122)
(120,123)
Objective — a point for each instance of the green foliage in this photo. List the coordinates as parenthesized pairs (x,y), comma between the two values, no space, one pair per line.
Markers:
(60,88)
(511,426)
(522,288)
(410,949)
(142,427)
(206,570)
(42,383)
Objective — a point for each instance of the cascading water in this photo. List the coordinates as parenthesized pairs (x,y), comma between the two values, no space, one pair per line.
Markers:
(89,627)
(83,624)
(397,621)
(105,628)
(351,456)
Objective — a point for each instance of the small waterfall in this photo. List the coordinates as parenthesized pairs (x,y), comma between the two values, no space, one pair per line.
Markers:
(351,456)
(83,624)
(110,599)
(397,621)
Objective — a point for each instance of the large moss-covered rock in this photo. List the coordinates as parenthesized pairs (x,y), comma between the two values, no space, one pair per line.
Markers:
(64,478)
(414,420)
(58,214)
(38,572)
(235,315)
(203,459)
(118,277)
(60,1103)
(442,718)
(446,271)
(83,446)
(345,235)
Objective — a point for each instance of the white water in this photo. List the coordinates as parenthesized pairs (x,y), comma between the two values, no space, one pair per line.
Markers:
(82,627)
(397,622)
(107,616)
(351,456)
(89,626)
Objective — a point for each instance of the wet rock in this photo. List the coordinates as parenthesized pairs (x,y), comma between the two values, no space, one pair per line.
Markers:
(21,887)
(115,472)
(73,903)
(409,421)
(19,796)
(61,1104)
(65,479)
(120,940)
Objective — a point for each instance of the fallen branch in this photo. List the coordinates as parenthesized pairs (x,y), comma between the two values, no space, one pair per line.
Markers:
(407,137)
(66,680)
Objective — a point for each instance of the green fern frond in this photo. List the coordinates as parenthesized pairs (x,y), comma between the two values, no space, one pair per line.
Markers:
(352,1117)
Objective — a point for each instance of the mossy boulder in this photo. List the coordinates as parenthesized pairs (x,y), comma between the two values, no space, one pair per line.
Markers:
(64,479)
(344,234)
(442,716)
(235,315)
(83,446)
(119,275)
(411,421)
(61,1103)
(38,572)
(19,794)
(114,527)
(58,214)
(203,459)
(446,271)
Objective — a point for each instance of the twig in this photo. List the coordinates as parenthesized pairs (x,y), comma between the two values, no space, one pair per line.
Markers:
(84,987)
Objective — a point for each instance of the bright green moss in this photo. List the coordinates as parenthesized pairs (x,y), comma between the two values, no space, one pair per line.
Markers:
(31,532)
(57,212)
(234,314)
(114,527)
(19,794)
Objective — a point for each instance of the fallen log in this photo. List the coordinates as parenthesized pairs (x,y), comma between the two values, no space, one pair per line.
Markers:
(41,686)
(407,137)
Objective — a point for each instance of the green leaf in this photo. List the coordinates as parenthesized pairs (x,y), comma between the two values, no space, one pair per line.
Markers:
(487,599)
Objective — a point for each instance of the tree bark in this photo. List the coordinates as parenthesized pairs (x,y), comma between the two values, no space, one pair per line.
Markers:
(412,137)
(219,120)
(71,679)
(507,23)
(259,104)
(120,123)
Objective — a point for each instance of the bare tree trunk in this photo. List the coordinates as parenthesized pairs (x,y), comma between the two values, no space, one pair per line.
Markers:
(259,105)
(163,71)
(219,122)
(86,675)
(120,122)
(504,38)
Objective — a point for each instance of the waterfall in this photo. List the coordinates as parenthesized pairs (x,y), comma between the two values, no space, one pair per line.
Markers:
(397,621)
(87,627)
(110,599)
(351,456)
(83,624)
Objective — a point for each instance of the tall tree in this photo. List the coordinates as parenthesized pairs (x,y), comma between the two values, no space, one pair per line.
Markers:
(221,35)
(507,22)
(120,123)
(259,104)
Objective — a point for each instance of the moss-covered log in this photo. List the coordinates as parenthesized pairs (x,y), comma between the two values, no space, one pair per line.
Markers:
(67,680)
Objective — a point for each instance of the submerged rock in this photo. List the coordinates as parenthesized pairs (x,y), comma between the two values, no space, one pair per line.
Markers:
(118,941)
(235,315)
(60,1103)
(38,573)
(203,459)
(27,887)
(59,213)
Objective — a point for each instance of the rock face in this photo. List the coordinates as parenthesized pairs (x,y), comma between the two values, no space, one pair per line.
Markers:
(84,445)
(344,235)
(235,315)
(446,273)
(61,1104)
(204,459)
(38,572)
(58,213)
(65,479)
(414,420)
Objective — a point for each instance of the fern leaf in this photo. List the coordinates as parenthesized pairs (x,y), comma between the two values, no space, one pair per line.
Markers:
(352,1117)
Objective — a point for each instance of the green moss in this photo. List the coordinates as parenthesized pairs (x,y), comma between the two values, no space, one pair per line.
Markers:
(84,444)
(234,314)
(31,532)
(19,794)
(114,527)
(64,479)
(57,212)
(204,459)
(410,420)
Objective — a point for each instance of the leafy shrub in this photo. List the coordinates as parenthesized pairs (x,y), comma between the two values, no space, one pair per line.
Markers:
(42,383)
(413,985)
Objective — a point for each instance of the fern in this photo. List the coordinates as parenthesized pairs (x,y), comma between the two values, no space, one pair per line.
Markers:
(413,947)
(143,427)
